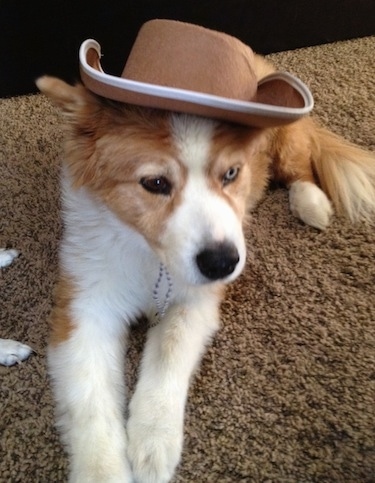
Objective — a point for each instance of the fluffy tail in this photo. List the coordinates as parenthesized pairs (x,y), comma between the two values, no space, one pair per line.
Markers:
(346,173)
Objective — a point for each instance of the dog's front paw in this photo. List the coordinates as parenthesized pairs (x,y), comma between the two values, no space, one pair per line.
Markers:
(13,352)
(7,256)
(310,204)
(154,449)
(100,462)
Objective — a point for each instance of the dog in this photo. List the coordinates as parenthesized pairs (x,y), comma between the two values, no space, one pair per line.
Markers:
(11,351)
(154,207)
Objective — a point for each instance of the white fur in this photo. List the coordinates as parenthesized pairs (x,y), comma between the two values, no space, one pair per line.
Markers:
(7,256)
(87,370)
(11,351)
(114,272)
(173,349)
(202,217)
(309,203)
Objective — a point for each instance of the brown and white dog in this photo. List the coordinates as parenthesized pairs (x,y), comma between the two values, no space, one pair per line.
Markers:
(154,205)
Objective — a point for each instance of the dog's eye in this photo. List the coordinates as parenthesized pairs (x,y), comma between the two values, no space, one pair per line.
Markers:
(159,185)
(230,175)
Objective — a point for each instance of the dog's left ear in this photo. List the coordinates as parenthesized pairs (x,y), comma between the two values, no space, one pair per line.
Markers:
(70,99)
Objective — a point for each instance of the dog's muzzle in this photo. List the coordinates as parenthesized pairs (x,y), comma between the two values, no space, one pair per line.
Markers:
(217,261)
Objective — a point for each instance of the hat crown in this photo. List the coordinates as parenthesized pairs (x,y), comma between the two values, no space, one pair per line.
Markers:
(179,55)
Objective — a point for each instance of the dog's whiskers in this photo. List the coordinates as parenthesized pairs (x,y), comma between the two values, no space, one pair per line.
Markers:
(161,305)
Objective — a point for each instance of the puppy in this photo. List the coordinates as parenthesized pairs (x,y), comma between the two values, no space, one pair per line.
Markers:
(11,352)
(154,205)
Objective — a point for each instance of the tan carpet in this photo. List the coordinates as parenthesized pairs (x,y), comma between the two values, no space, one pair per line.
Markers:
(286,393)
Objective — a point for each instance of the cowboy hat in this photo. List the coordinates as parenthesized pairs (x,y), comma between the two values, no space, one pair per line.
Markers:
(187,68)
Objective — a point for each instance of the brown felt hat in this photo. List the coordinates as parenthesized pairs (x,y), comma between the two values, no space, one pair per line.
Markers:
(186,68)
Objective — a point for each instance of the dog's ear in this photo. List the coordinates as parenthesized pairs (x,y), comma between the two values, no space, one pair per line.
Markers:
(82,118)
(70,99)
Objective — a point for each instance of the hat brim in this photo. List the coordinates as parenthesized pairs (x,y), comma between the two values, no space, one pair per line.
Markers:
(256,114)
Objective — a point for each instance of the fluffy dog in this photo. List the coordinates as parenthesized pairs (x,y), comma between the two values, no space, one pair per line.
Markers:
(154,205)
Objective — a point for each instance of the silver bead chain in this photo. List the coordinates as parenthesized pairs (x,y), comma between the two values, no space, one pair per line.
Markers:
(161,305)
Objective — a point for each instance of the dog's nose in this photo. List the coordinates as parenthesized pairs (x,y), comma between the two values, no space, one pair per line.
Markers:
(218,260)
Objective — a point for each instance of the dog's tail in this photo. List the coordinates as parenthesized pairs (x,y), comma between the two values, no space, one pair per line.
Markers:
(346,173)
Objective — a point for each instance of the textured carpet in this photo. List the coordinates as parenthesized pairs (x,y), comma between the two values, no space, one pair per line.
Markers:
(286,392)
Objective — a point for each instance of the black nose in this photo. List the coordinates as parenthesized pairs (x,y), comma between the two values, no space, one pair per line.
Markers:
(218,260)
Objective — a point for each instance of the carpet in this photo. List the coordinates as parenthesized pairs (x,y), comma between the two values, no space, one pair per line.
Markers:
(286,391)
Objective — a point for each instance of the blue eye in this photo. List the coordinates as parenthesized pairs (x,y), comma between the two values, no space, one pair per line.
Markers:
(158,185)
(230,175)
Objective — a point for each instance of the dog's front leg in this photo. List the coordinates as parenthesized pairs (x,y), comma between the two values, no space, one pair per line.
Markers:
(155,426)
(86,367)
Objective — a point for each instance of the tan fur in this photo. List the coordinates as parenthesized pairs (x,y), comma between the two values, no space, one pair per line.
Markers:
(290,148)
(346,173)
(60,320)
(237,146)
(305,151)
(262,67)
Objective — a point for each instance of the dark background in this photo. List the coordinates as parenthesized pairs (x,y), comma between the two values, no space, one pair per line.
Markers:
(43,36)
